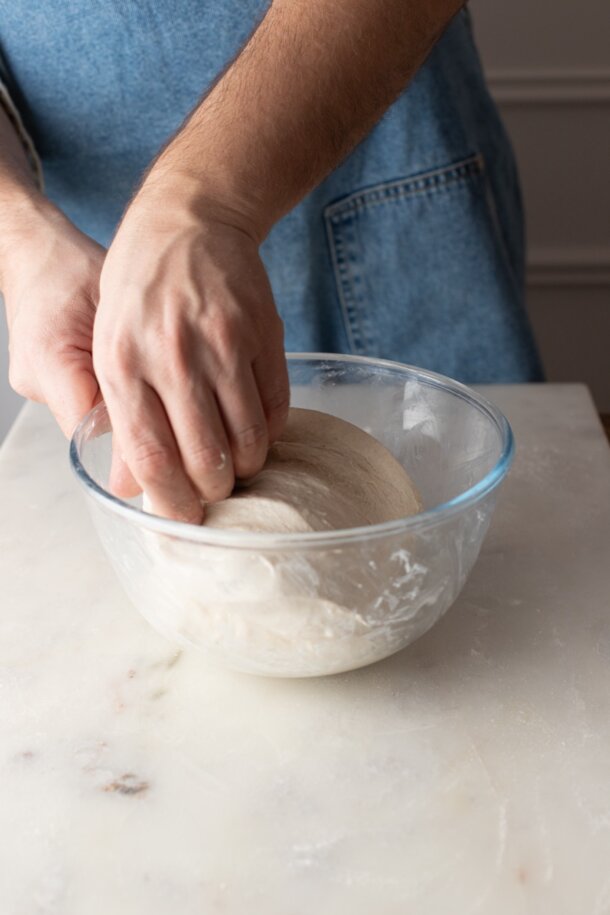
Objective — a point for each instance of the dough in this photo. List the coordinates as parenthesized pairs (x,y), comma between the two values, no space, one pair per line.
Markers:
(294,612)
(322,474)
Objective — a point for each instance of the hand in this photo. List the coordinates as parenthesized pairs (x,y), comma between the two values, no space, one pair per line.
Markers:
(49,275)
(188,350)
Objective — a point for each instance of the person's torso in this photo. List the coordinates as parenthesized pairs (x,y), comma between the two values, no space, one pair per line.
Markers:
(379,259)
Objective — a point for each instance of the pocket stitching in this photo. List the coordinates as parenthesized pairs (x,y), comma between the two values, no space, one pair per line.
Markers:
(344,285)
(432,182)
(344,210)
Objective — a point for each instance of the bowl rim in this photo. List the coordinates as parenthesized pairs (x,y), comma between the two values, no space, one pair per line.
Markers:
(314,539)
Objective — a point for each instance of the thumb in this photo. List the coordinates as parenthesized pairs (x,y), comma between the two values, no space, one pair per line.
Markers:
(70,390)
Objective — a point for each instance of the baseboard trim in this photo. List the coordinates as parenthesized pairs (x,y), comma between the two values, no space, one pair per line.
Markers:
(569,266)
(550,87)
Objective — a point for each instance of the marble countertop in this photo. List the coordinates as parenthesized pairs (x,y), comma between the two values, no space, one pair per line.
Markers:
(468,774)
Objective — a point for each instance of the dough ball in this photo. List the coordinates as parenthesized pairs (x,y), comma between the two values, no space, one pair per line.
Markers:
(322,474)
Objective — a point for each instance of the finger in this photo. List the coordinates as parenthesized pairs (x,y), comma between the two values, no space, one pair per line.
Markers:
(70,389)
(244,420)
(198,428)
(271,374)
(121,482)
(146,442)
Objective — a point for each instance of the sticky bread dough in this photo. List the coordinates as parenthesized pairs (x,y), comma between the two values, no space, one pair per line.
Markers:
(291,613)
(323,474)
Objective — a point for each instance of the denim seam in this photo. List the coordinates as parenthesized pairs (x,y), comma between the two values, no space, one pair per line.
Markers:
(345,283)
(430,183)
(492,208)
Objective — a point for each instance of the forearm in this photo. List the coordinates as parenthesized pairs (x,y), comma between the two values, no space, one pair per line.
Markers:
(311,82)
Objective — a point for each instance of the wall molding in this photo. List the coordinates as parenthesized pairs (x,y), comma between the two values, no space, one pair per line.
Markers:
(569,265)
(523,86)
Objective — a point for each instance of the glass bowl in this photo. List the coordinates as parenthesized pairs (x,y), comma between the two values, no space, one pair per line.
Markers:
(318,603)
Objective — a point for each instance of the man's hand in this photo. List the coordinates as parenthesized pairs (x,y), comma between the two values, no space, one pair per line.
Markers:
(188,344)
(49,275)
(188,349)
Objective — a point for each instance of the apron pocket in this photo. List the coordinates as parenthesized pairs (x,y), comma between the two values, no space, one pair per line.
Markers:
(420,267)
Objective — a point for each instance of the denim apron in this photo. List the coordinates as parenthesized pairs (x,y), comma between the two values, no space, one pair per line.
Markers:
(412,249)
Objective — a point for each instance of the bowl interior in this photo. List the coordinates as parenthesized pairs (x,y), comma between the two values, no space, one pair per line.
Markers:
(447,437)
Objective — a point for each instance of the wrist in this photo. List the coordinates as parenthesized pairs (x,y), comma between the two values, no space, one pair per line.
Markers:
(19,200)
(24,215)
(209,197)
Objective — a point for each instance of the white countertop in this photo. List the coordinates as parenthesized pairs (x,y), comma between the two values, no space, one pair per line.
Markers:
(469,773)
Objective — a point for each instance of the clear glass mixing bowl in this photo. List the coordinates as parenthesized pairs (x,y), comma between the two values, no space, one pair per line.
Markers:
(318,603)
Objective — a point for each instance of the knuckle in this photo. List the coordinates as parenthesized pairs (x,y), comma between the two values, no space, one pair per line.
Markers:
(277,403)
(226,335)
(30,348)
(114,357)
(21,373)
(172,335)
(207,459)
(172,362)
(153,461)
(19,381)
(252,438)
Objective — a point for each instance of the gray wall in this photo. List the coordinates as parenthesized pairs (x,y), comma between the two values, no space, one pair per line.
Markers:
(548,64)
